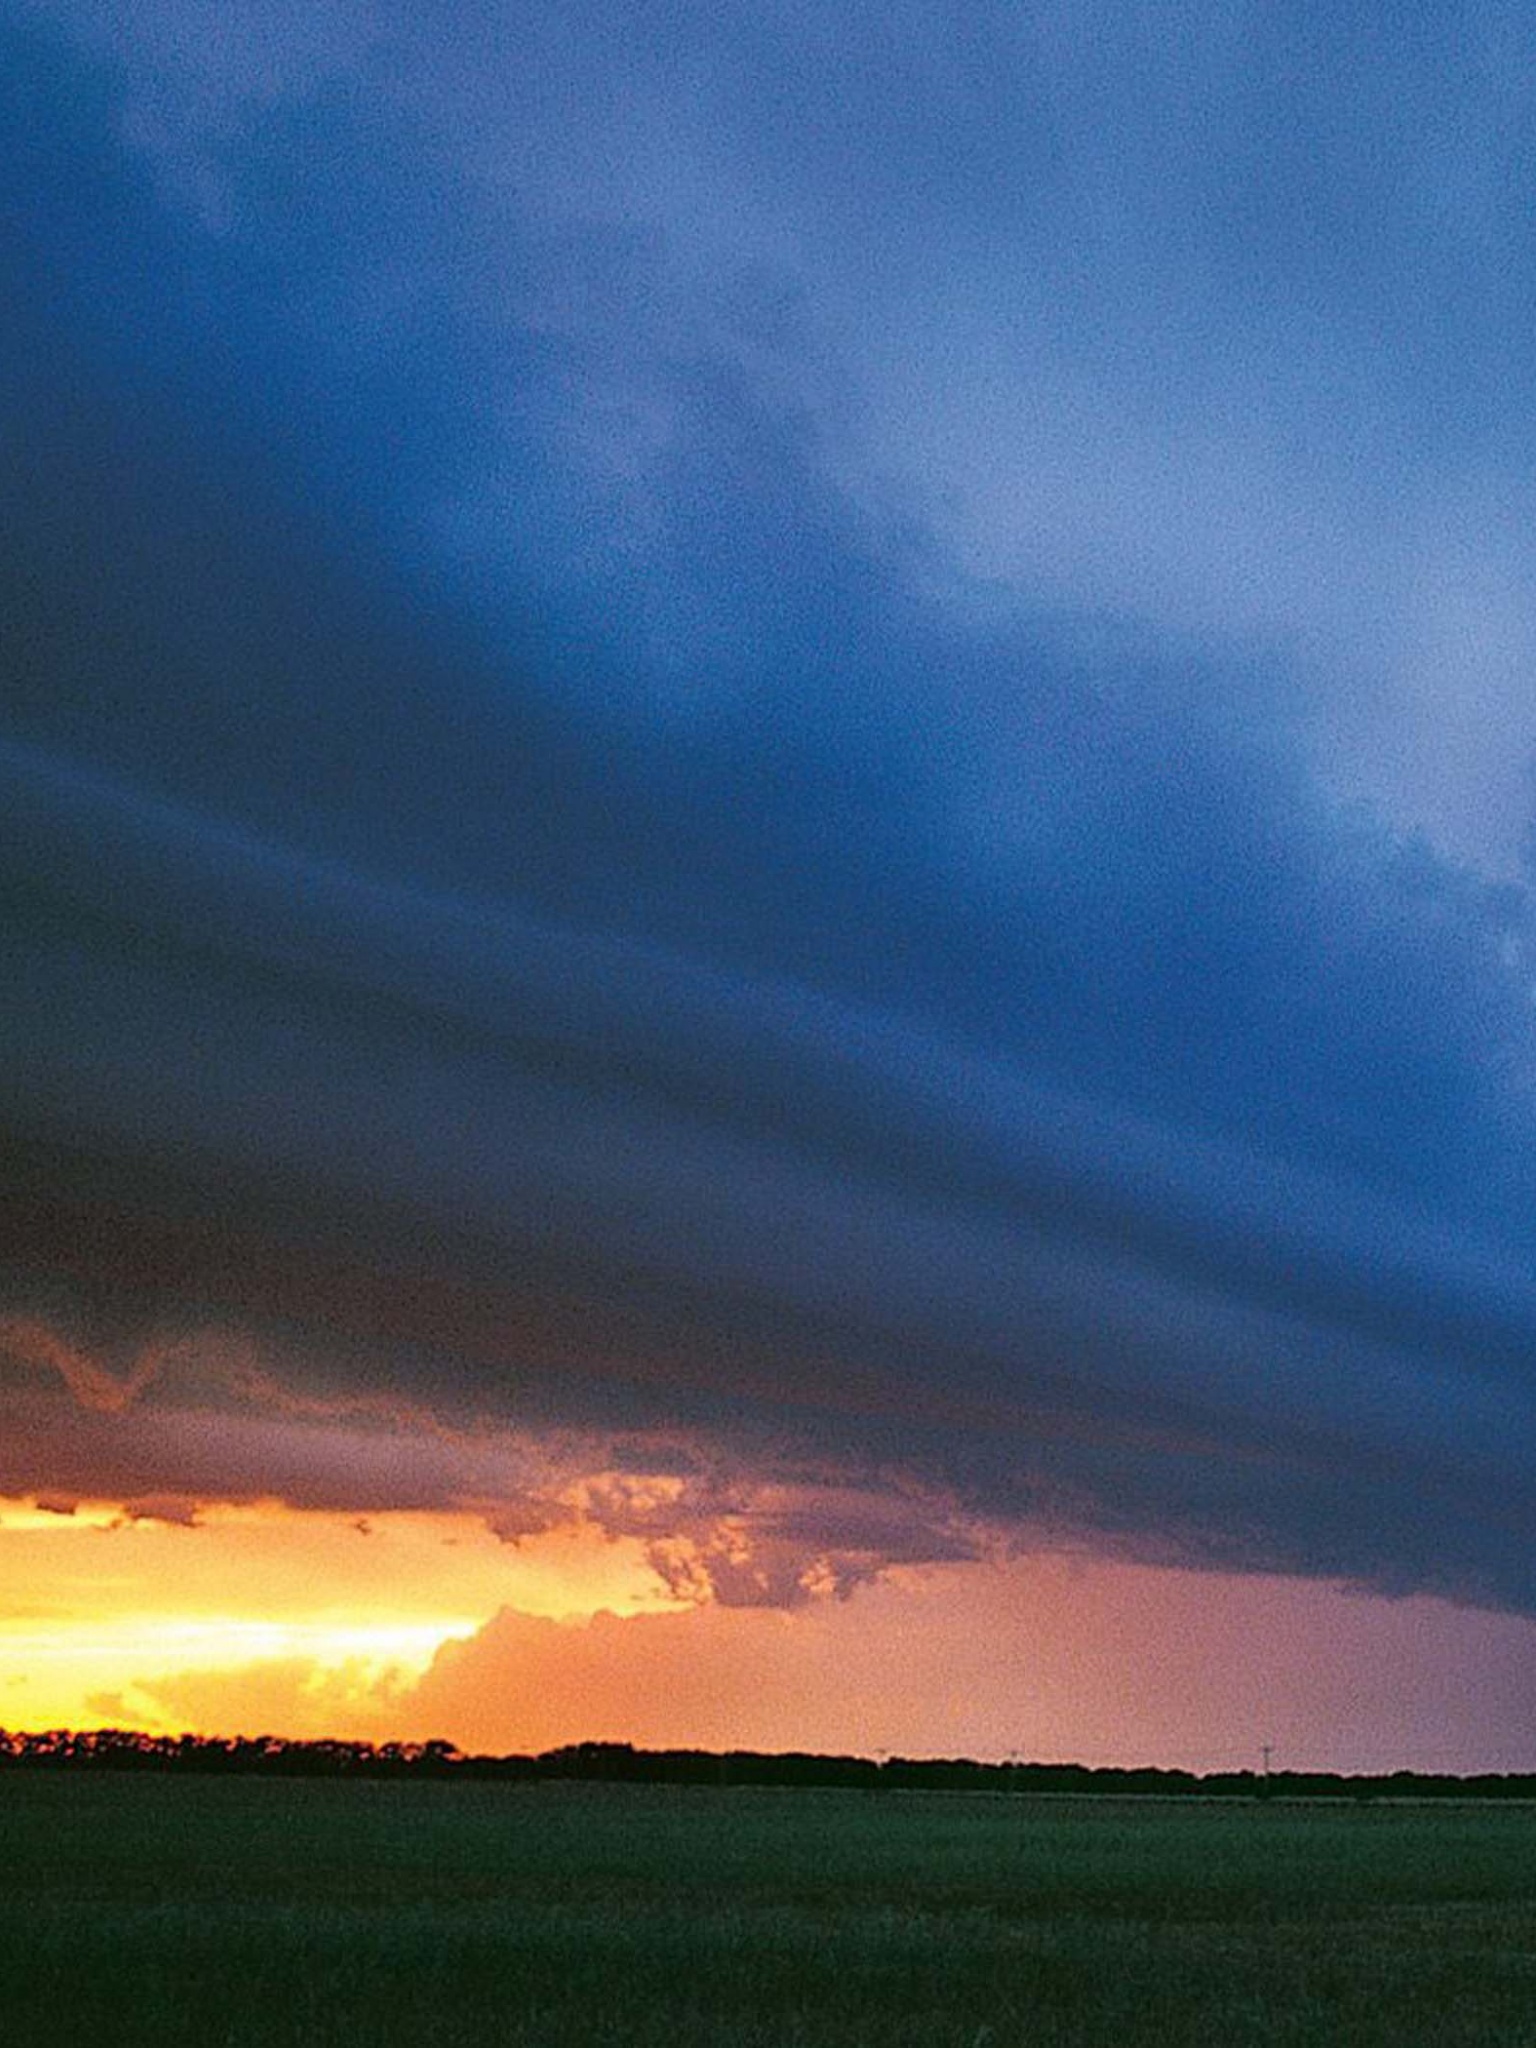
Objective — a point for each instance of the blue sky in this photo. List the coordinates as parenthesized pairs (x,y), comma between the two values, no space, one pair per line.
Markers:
(836,701)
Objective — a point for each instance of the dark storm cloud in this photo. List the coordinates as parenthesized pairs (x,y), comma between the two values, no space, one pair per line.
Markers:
(518,881)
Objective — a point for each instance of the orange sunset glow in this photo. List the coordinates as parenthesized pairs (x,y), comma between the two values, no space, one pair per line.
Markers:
(108,1615)
(261,1619)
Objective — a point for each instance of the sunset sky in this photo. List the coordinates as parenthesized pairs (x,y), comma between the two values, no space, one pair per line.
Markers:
(766,796)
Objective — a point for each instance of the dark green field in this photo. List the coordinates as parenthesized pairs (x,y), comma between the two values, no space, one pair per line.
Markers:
(242,1914)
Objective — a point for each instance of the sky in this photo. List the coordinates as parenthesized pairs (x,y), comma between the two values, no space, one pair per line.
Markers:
(766,796)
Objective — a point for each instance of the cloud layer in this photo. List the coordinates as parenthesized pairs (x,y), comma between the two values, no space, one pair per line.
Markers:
(548,891)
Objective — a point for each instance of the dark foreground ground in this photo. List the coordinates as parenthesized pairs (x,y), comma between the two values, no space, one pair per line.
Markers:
(243,1914)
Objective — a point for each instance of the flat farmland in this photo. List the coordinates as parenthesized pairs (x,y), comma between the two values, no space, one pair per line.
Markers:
(246,1913)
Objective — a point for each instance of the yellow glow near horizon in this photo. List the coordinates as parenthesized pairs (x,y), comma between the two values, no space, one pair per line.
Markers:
(150,1638)
(105,1617)
(81,1676)
(262,1620)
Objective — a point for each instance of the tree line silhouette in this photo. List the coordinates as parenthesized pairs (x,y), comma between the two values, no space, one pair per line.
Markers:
(119,1749)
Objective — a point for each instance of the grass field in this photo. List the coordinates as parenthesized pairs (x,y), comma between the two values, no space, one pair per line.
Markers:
(244,1914)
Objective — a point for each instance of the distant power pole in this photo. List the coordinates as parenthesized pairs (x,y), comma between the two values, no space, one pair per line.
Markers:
(1268,1749)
